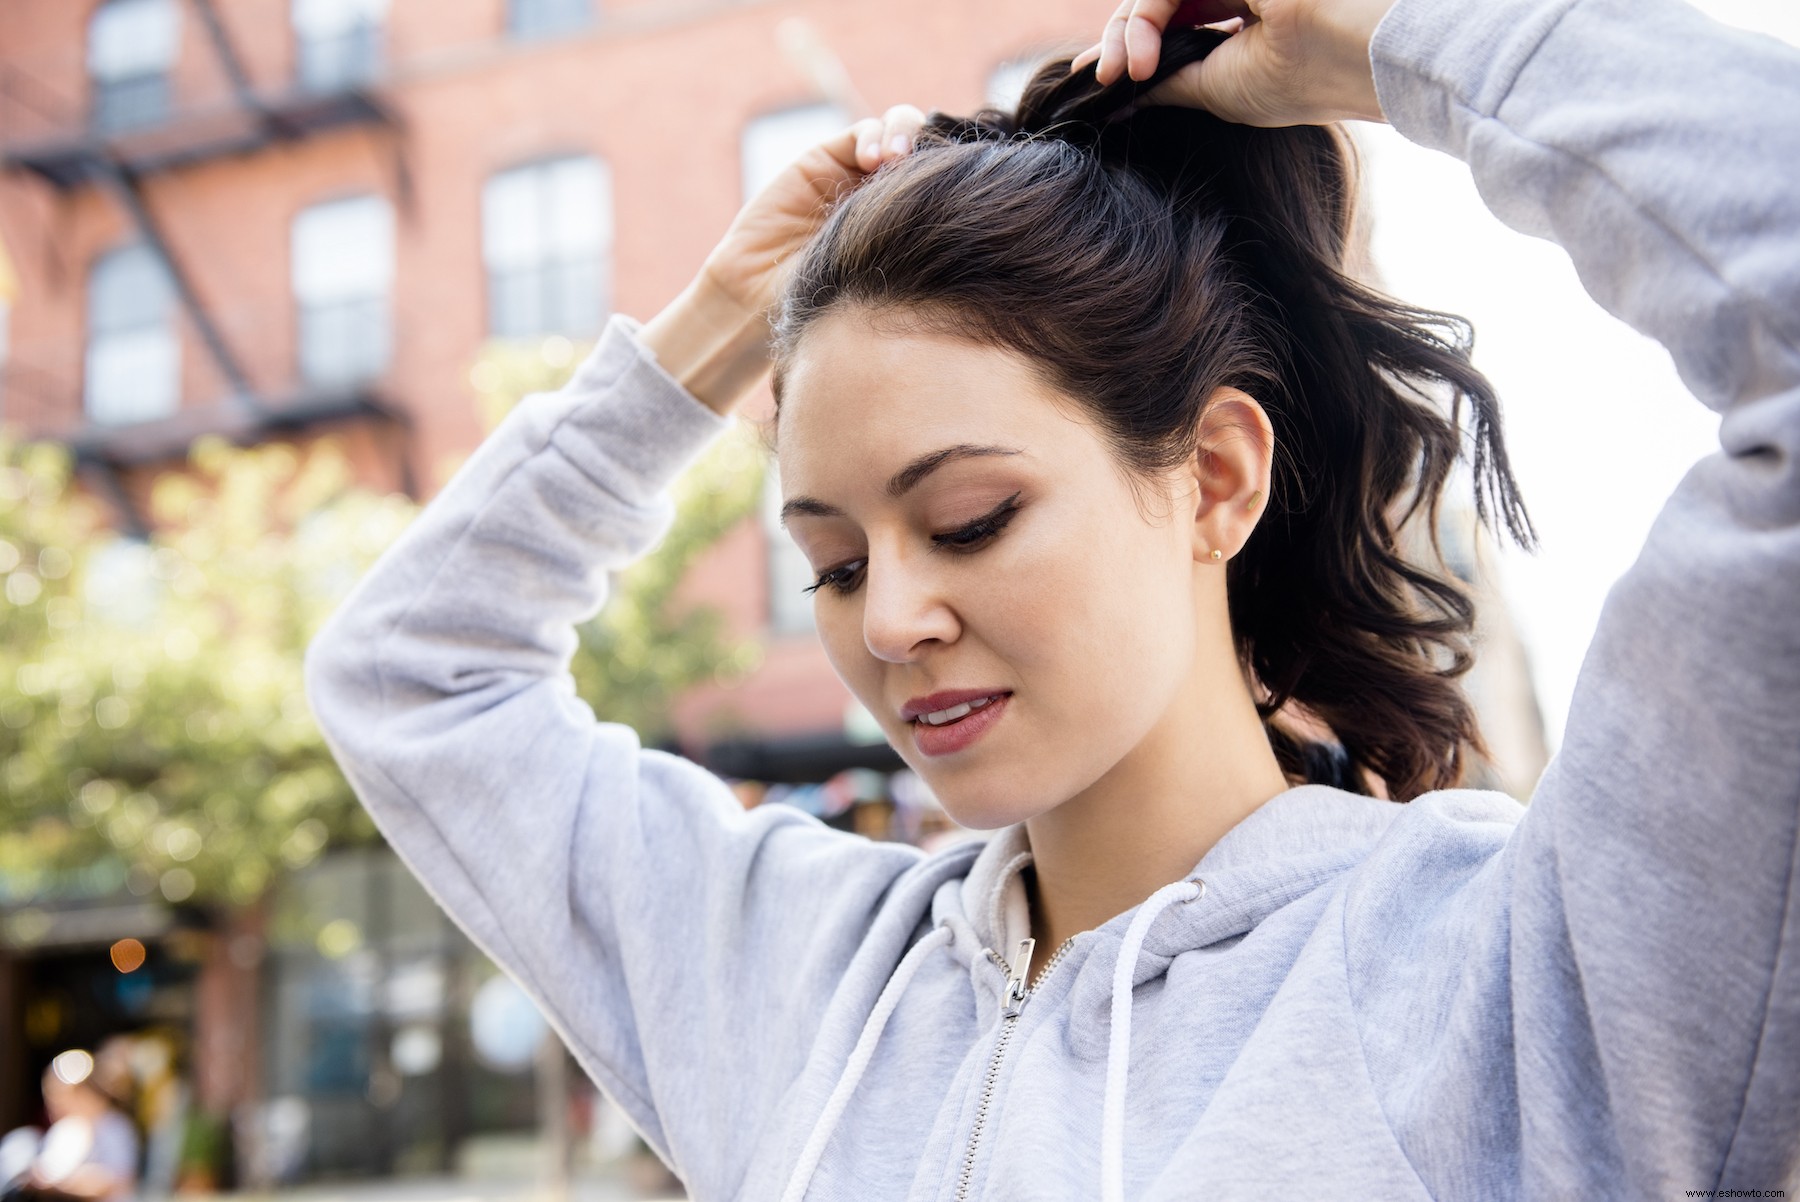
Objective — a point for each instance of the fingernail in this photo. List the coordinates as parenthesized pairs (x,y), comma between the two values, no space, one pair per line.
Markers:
(898,144)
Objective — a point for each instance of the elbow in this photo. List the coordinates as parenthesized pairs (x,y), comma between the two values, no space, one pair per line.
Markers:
(341,683)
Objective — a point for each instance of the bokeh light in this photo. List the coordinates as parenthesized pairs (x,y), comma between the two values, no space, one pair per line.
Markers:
(128,955)
(73,1066)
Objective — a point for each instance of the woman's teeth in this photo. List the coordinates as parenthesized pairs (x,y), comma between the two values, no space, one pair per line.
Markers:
(939,717)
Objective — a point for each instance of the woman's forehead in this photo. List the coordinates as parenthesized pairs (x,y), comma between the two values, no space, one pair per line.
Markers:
(860,398)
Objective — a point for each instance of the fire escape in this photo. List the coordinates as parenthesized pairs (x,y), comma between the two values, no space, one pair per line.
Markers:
(117,143)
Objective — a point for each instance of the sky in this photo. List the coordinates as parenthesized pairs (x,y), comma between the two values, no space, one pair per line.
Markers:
(1599,427)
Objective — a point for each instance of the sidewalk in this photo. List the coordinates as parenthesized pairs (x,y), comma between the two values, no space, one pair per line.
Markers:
(589,1186)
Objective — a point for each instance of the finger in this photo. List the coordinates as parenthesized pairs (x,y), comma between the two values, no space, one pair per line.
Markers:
(1220,83)
(868,143)
(1112,45)
(900,124)
(1091,54)
(1177,91)
(1143,35)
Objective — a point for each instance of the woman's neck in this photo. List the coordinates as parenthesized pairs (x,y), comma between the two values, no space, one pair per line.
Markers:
(1203,769)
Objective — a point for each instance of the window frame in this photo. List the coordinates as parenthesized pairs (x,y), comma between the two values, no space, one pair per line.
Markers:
(366,33)
(790,611)
(99,338)
(366,311)
(530,19)
(595,263)
(131,99)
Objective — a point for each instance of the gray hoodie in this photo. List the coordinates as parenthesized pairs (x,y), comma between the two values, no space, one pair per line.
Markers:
(1597,996)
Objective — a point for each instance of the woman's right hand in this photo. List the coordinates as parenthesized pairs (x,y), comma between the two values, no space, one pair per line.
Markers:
(713,339)
(1292,62)
(762,243)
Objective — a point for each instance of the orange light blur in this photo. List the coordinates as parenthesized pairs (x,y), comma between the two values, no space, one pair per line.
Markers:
(127,955)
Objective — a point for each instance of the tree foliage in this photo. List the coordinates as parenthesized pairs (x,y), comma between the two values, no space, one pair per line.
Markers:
(153,726)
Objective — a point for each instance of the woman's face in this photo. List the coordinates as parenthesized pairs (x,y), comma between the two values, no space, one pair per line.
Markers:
(1081,606)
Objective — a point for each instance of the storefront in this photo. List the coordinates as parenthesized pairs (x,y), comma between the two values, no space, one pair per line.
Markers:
(373,1061)
(87,963)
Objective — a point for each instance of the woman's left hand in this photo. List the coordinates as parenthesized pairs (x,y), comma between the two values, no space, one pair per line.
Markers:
(1292,62)
(764,241)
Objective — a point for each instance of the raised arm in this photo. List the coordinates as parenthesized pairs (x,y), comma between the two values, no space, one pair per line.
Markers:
(683,948)
(1656,147)
(1658,862)
(1644,920)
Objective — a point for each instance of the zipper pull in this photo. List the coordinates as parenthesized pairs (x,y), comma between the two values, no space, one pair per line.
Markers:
(1015,985)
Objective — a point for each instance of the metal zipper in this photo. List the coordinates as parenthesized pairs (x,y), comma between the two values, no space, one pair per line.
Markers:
(1018,992)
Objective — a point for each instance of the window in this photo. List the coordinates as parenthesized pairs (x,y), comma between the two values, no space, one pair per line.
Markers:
(338,42)
(771,143)
(133,370)
(774,140)
(131,47)
(790,609)
(546,238)
(343,270)
(537,18)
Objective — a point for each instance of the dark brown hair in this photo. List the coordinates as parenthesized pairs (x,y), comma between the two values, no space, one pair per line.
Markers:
(1139,259)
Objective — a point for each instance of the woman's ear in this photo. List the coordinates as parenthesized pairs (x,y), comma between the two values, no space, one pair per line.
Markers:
(1231,468)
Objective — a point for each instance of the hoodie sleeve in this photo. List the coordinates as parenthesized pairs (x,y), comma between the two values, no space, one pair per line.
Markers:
(683,947)
(1652,979)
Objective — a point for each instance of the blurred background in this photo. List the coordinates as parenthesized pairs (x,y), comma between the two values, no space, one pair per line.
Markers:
(269,270)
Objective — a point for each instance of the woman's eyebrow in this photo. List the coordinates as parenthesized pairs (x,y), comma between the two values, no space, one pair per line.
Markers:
(904,480)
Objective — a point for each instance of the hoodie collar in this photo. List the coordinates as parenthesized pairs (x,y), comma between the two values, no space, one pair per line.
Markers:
(1281,850)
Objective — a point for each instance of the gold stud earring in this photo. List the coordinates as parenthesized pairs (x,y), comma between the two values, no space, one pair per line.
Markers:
(1218,554)
(1251,503)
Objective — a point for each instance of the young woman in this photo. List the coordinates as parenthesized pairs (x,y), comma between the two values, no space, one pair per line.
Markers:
(1102,460)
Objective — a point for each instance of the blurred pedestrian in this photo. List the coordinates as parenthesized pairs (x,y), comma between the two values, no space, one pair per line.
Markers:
(90,1151)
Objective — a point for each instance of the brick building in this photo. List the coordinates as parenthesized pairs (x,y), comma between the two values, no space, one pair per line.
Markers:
(277,217)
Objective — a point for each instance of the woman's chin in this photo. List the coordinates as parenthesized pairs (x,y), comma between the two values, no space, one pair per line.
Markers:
(981,810)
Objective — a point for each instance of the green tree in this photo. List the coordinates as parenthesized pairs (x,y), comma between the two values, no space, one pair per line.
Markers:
(153,725)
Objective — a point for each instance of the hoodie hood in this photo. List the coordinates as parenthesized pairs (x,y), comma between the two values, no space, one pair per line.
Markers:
(1284,849)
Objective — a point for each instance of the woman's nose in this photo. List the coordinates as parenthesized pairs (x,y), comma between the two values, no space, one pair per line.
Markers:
(903,608)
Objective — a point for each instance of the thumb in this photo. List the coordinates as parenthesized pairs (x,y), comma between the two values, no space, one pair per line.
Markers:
(1232,83)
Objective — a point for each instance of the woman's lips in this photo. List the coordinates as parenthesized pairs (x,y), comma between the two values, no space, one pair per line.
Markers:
(955,736)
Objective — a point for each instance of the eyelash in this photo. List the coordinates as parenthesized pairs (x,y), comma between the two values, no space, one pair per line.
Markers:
(970,538)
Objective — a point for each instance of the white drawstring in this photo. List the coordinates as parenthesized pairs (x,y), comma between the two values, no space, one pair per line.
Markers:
(859,1060)
(1118,1053)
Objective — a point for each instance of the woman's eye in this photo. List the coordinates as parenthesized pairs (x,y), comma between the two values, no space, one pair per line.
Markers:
(837,580)
(969,538)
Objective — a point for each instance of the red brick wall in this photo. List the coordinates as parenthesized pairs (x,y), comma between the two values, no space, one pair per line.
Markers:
(661,90)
